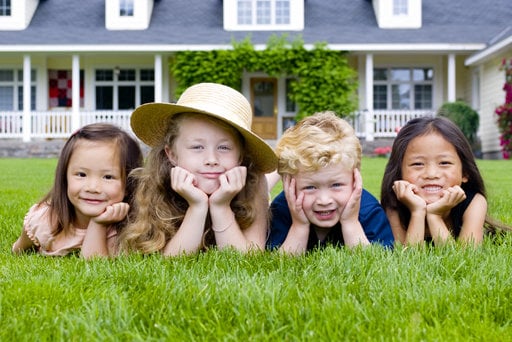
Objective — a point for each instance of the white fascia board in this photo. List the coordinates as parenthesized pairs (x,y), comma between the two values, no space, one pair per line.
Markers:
(199,47)
(488,53)
(110,48)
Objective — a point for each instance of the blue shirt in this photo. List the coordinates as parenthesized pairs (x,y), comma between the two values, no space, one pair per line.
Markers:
(372,217)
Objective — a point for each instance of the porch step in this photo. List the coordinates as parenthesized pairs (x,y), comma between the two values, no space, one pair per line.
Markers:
(50,148)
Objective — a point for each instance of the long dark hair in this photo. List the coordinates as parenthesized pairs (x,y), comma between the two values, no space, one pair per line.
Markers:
(62,212)
(419,127)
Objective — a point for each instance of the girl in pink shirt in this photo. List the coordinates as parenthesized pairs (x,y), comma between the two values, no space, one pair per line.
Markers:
(90,197)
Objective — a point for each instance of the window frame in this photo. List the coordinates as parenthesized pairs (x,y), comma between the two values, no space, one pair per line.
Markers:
(17,89)
(253,11)
(412,84)
(121,81)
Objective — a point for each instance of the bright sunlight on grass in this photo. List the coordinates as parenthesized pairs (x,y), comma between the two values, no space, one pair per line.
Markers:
(406,294)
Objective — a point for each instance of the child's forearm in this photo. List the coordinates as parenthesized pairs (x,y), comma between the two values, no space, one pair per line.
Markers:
(416,229)
(353,234)
(189,237)
(95,241)
(296,241)
(22,244)
(438,230)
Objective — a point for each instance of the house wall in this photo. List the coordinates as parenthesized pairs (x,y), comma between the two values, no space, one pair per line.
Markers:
(491,96)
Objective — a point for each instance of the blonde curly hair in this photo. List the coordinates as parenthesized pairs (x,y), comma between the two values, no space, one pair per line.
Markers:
(318,141)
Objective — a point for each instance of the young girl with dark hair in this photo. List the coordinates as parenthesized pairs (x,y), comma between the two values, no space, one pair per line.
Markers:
(90,197)
(432,189)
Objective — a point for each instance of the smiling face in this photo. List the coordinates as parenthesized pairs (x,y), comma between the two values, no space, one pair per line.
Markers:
(94,179)
(432,164)
(326,192)
(206,149)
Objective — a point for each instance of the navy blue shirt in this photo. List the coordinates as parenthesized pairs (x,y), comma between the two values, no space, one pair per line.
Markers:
(372,217)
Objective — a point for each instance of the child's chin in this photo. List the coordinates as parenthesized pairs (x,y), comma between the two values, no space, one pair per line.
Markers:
(209,188)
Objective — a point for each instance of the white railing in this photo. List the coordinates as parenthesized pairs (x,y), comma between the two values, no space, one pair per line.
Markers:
(58,124)
(384,123)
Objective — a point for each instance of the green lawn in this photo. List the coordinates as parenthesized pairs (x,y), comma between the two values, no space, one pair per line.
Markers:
(408,294)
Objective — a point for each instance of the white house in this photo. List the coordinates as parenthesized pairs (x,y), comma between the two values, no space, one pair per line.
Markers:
(64,63)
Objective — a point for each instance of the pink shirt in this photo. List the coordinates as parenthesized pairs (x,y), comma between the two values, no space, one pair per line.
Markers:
(37,226)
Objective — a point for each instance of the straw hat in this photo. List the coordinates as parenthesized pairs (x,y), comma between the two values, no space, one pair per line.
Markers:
(149,120)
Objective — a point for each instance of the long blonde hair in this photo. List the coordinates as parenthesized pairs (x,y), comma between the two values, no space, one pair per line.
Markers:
(158,210)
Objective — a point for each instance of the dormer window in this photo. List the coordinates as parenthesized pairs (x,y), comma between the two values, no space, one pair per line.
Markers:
(254,15)
(128,14)
(126,8)
(5,8)
(16,15)
(397,14)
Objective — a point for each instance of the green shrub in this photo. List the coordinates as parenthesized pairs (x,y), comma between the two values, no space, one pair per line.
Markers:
(463,116)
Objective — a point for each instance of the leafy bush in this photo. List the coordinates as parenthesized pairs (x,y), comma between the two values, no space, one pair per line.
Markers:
(463,116)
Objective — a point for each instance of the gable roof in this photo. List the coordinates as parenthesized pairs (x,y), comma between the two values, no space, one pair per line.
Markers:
(78,25)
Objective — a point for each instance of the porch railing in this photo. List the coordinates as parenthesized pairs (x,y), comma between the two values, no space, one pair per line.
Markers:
(58,124)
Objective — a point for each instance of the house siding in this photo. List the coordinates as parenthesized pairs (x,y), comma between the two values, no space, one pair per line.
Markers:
(492,95)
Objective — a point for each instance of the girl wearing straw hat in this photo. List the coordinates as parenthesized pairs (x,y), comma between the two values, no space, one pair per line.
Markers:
(204,180)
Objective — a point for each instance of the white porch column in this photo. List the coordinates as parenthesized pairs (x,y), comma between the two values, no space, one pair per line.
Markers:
(368,113)
(451,77)
(27,121)
(158,78)
(75,93)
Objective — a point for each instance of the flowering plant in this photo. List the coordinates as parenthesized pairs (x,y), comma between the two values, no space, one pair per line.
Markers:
(382,151)
(504,112)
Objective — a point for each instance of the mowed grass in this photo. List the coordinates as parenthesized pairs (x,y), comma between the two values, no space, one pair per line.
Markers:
(372,294)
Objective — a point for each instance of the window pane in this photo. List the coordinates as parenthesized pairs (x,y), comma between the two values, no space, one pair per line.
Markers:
(32,98)
(380,97)
(423,96)
(147,94)
(263,15)
(400,74)
(426,74)
(263,92)
(282,12)
(126,8)
(104,97)
(400,96)
(104,75)
(380,74)
(244,12)
(6,75)
(5,8)
(126,75)
(126,97)
(147,75)
(6,98)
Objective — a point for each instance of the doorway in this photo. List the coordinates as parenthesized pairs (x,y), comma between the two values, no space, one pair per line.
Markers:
(264,106)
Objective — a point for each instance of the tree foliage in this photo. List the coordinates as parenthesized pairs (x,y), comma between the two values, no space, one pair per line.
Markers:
(322,78)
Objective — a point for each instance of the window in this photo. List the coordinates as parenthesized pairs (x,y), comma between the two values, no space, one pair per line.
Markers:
(5,8)
(126,8)
(403,88)
(400,7)
(11,90)
(124,89)
(263,14)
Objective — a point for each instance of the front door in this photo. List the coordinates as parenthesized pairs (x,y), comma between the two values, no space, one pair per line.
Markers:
(264,106)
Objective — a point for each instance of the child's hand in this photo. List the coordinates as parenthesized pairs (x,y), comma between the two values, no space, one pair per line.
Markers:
(351,210)
(294,201)
(406,194)
(184,183)
(113,213)
(448,200)
(231,183)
